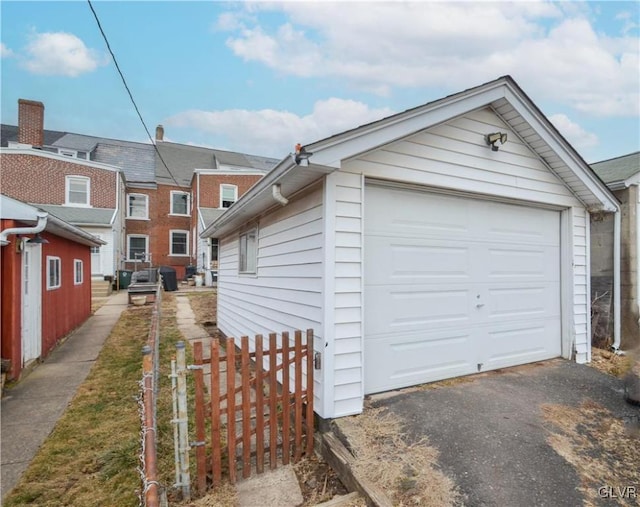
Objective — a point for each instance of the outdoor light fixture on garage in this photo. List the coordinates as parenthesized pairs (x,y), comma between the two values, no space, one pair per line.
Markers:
(492,139)
(37,240)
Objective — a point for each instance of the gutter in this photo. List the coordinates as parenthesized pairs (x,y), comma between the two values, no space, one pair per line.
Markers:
(39,227)
(616,281)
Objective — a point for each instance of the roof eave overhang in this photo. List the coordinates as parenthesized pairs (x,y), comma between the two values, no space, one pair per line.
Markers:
(292,178)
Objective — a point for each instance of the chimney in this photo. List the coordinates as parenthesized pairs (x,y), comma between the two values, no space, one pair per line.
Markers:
(159,133)
(30,122)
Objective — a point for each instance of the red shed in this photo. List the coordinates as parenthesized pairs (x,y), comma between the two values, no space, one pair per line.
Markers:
(45,281)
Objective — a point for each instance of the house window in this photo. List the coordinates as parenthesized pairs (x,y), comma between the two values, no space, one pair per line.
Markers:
(248,251)
(179,241)
(53,272)
(77,190)
(77,272)
(179,203)
(137,247)
(137,206)
(228,195)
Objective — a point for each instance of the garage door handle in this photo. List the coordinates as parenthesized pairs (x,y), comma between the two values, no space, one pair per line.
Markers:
(479,305)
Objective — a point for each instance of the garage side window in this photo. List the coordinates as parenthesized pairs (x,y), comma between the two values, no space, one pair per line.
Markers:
(77,272)
(248,252)
(53,272)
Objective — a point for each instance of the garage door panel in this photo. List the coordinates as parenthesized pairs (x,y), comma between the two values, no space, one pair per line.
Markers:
(510,303)
(403,260)
(410,359)
(454,284)
(517,343)
(416,308)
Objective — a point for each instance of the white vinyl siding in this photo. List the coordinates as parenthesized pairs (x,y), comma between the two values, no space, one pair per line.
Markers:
(581,303)
(343,294)
(455,156)
(285,293)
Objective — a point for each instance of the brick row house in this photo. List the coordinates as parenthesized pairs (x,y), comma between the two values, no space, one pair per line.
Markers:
(148,203)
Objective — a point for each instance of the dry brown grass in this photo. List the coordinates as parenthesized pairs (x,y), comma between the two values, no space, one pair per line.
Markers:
(600,447)
(224,495)
(203,305)
(610,363)
(408,473)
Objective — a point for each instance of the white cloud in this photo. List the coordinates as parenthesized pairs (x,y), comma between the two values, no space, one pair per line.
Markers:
(5,52)
(275,133)
(551,49)
(574,133)
(61,54)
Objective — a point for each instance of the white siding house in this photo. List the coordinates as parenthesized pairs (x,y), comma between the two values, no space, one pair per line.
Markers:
(417,252)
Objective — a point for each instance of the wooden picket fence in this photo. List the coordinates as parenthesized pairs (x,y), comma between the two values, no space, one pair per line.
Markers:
(251,414)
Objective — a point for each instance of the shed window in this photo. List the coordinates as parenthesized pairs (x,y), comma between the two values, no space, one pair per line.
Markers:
(248,251)
(77,272)
(53,272)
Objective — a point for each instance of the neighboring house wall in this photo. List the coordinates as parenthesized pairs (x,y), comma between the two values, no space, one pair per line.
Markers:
(41,179)
(602,271)
(210,187)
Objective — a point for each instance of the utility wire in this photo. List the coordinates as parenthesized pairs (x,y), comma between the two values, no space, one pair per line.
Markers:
(124,82)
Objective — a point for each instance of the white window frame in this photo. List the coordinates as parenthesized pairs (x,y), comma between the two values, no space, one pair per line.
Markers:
(146,246)
(235,194)
(178,231)
(67,189)
(78,275)
(247,252)
(146,207)
(178,192)
(57,264)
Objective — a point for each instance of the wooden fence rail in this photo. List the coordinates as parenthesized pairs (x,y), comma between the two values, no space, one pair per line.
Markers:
(260,403)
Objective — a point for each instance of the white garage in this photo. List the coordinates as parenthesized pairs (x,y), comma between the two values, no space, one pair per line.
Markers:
(456,285)
(445,240)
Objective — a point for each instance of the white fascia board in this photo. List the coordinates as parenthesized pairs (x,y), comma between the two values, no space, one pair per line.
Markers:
(364,139)
(564,151)
(61,158)
(634,179)
(229,172)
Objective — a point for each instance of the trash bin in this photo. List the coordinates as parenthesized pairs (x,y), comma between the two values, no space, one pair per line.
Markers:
(124,278)
(169,280)
(190,271)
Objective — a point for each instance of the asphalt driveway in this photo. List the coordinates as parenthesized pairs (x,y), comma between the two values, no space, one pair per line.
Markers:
(493,439)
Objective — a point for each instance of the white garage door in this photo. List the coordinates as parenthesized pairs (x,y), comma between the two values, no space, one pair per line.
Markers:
(456,285)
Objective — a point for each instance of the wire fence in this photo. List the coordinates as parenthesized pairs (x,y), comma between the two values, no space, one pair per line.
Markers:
(151,494)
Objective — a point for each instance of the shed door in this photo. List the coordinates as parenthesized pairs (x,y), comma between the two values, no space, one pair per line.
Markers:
(31,302)
(455,285)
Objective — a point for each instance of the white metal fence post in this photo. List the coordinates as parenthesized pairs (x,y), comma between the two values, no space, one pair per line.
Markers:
(183,421)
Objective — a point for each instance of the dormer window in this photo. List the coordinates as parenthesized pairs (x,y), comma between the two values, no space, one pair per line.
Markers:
(68,153)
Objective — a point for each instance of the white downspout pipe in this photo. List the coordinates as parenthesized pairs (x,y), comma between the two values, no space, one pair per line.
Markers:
(616,280)
(39,227)
(277,195)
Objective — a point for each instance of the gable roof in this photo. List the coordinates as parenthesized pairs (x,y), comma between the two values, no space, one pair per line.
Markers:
(503,95)
(616,171)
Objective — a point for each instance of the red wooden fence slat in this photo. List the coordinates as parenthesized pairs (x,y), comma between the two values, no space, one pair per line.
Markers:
(273,403)
(216,456)
(286,399)
(298,397)
(201,466)
(245,373)
(259,406)
(231,408)
(309,416)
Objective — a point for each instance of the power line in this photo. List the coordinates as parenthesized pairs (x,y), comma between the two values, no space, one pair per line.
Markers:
(124,82)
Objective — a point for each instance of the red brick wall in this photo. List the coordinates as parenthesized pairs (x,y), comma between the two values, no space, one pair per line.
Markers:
(210,187)
(36,179)
(30,122)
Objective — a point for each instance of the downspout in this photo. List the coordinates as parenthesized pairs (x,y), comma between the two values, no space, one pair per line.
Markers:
(616,281)
(39,227)
(277,194)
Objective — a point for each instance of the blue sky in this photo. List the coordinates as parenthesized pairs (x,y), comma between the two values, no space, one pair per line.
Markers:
(260,77)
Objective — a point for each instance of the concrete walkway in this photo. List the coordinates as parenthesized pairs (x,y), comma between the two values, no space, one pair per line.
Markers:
(31,408)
